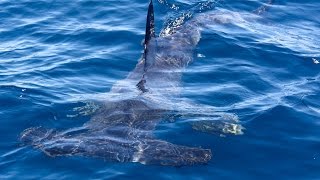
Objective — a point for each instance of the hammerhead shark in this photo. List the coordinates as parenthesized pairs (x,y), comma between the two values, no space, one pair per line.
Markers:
(122,129)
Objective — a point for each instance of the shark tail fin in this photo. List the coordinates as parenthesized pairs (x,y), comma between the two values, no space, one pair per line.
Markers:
(264,7)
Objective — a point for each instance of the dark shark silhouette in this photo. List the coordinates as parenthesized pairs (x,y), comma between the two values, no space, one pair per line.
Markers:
(122,130)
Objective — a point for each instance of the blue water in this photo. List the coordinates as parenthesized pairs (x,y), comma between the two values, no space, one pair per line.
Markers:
(55,54)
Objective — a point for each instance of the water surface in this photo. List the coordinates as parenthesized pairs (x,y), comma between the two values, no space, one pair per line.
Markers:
(56,55)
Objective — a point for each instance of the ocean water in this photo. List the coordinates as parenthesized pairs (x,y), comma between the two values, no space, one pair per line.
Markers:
(57,56)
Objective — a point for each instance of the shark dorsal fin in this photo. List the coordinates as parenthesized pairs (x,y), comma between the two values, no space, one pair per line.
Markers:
(150,33)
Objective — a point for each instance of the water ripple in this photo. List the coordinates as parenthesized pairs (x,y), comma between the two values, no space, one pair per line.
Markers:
(261,70)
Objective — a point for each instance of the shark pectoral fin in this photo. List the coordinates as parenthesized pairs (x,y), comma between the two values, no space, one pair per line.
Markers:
(218,127)
(213,122)
(159,152)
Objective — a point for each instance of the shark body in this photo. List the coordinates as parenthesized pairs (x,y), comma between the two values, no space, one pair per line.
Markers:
(122,130)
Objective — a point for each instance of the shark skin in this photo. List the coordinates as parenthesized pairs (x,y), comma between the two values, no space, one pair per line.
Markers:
(122,129)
